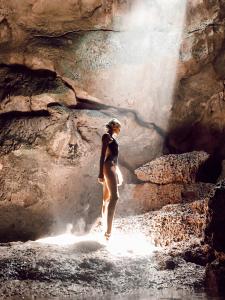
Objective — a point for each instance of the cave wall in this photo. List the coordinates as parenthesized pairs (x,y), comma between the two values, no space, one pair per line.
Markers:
(56,96)
(197,115)
(214,237)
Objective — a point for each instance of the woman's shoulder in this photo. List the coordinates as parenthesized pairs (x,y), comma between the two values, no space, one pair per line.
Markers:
(106,137)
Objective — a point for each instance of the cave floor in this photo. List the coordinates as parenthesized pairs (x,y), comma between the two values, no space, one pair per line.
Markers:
(91,267)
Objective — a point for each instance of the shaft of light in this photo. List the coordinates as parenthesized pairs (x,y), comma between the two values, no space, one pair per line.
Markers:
(144,57)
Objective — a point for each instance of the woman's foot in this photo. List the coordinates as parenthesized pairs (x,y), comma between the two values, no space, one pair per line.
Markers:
(107,236)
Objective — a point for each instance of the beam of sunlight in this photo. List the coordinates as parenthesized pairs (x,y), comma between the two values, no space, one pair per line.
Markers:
(145,56)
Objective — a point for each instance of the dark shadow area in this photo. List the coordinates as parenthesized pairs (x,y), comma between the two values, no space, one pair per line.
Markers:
(16,80)
(21,115)
(211,169)
(21,224)
(216,217)
(196,137)
(87,246)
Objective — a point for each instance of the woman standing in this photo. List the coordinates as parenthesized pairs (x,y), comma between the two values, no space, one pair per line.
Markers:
(110,175)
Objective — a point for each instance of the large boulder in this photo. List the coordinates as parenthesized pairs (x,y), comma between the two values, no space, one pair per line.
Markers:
(172,168)
(179,223)
(140,198)
(144,197)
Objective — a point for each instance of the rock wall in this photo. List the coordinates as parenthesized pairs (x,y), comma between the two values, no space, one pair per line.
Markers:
(197,115)
(214,236)
(60,82)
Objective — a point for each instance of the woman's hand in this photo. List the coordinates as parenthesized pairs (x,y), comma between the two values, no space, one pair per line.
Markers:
(101,180)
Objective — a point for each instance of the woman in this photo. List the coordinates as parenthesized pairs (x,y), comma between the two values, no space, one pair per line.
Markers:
(110,175)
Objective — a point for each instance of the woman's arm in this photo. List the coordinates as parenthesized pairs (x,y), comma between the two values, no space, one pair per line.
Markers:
(105,141)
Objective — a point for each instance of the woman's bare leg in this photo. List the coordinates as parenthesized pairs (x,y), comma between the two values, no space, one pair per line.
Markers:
(106,196)
(111,182)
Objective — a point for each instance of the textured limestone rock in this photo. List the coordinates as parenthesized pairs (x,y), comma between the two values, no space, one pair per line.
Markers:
(197,116)
(172,168)
(200,254)
(179,222)
(26,90)
(34,16)
(203,36)
(140,198)
(79,42)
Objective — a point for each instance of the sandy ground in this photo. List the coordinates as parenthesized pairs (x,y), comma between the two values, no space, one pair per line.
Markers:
(89,267)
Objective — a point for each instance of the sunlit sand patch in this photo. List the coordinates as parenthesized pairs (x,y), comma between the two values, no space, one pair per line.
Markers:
(61,240)
(120,244)
(68,238)
(130,244)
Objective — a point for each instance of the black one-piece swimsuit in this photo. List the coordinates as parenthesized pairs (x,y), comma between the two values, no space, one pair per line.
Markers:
(110,164)
(114,151)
